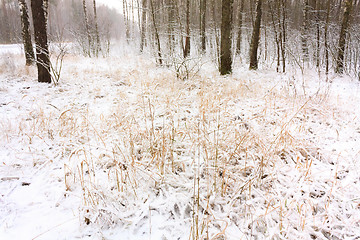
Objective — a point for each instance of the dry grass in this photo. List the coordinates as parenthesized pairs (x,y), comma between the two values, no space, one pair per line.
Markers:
(226,144)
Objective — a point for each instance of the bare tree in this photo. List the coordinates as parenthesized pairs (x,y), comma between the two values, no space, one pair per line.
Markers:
(87,26)
(305,30)
(28,47)
(225,45)
(203,25)
(143,25)
(327,22)
(42,49)
(156,32)
(126,20)
(255,38)
(98,45)
(342,40)
(187,37)
(240,26)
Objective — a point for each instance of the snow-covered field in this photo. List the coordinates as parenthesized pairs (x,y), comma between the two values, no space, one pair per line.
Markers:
(122,149)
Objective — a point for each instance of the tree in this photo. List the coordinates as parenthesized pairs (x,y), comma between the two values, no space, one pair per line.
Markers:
(203,25)
(240,21)
(187,37)
(156,33)
(98,45)
(305,30)
(25,23)
(327,21)
(225,45)
(143,25)
(41,41)
(255,38)
(342,38)
(87,26)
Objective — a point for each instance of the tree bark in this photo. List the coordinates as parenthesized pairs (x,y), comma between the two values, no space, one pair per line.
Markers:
(240,21)
(26,35)
(156,32)
(98,45)
(305,30)
(327,21)
(255,38)
(126,20)
(203,25)
(171,26)
(342,40)
(225,45)
(143,25)
(283,41)
(187,38)
(87,26)
(40,32)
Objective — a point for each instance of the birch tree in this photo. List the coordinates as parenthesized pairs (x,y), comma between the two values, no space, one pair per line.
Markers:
(41,41)
(26,35)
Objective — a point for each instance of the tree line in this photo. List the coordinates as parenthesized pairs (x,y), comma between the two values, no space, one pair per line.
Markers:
(306,33)
(319,34)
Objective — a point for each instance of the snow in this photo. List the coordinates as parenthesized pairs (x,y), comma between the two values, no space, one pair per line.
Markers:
(122,149)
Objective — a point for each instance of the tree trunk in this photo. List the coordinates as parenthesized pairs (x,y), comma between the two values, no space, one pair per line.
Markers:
(318,9)
(326,37)
(255,37)
(87,26)
(156,32)
(225,47)
(187,38)
(283,42)
(143,25)
(342,40)
(98,45)
(171,26)
(42,50)
(305,31)
(26,35)
(6,31)
(240,21)
(203,25)
(277,34)
(126,20)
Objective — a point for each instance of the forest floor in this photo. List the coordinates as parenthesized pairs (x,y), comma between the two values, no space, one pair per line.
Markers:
(123,149)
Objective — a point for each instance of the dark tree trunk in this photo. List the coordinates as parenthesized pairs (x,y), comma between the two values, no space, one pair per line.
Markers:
(187,38)
(317,18)
(156,32)
(342,40)
(326,36)
(255,38)
(283,42)
(225,47)
(41,42)
(203,25)
(26,35)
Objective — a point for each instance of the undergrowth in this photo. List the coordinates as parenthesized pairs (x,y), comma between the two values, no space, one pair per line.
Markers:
(227,153)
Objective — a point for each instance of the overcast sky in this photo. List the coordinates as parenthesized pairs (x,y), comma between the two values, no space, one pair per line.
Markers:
(111,3)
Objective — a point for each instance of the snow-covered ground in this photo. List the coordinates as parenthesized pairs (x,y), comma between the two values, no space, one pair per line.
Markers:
(122,149)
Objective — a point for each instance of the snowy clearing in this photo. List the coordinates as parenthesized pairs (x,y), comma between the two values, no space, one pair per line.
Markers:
(122,149)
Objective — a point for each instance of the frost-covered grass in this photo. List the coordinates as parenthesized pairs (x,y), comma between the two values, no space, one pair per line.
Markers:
(122,149)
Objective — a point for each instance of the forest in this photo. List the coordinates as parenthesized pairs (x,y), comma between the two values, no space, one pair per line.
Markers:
(180,119)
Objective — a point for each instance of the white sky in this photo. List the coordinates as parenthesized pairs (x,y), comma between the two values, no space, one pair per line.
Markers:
(117,4)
